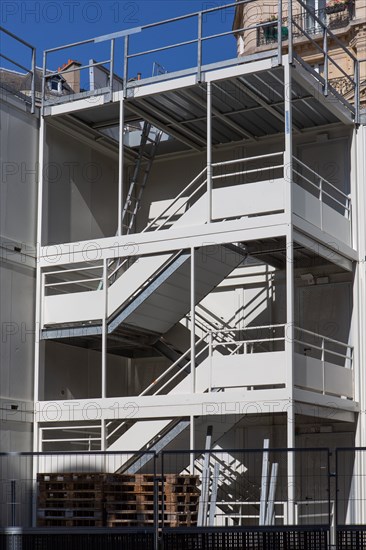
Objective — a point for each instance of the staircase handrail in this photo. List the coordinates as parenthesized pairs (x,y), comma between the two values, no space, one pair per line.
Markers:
(150,224)
(162,376)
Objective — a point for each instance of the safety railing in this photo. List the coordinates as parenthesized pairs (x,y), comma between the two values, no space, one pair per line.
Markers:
(198,30)
(322,188)
(162,383)
(207,25)
(254,339)
(220,171)
(86,437)
(221,489)
(309,25)
(29,70)
(324,348)
(66,281)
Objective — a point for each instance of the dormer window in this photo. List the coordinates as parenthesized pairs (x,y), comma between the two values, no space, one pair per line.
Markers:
(55,85)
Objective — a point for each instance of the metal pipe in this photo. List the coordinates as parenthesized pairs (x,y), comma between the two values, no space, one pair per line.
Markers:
(125,66)
(357,90)
(193,323)
(33,86)
(199,48)
(14,62)
(104,348)
(78,68)
(6,31)
(279,33)
(189,15)
(326,61)
(13,502)
(120,166)
(44,82)
(111,71)
(290,36)
(209,152)
(191,445)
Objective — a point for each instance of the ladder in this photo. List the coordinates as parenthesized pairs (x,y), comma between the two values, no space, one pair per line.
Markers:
(140,176)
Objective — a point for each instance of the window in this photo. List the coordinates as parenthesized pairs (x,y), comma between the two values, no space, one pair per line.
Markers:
(55,85)
(317,7)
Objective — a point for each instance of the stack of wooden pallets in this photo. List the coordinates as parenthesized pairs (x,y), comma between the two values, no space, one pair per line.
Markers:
(129,500)
(181,497)
(70,500)
(117,500)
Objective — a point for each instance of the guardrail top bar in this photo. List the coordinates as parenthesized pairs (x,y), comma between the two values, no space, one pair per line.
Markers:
(16,37)
(31,71)
(135,30)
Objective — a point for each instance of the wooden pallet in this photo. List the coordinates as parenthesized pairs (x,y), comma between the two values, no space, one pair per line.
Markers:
(70,500)
(93,499)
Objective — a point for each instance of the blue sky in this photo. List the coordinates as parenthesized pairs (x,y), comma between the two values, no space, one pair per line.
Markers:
(47,24)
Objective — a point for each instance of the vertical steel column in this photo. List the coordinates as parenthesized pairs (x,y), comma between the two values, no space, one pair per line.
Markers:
(209,152)
(104,348)
(193,355)
(279,33)
(289,27)
(193,323)
(120,166)
(125,66)
(38,298)
(44,78)
(199,47)
(191,445)
(326,60)
(289,293)
(111,71)
(357,81)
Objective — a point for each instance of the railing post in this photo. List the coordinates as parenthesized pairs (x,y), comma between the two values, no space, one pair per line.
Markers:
(357,90)
(111,71)
(13,503)
(120,166)
(125,66)
(209,152)
(104,348)
(279,33)
(321,202)
(289,27)
(326,60)
(42,300)
(33,87)
(323,371)
(44,79)
(210,349)
(199,47)
(193,323)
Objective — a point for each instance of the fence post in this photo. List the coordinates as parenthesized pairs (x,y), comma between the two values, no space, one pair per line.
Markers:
(326,61)
(321,202)
(111,71)
(33,88)
(279,33)
(323,371)
(13,503)
(156,505)
(125,66)
(199,47)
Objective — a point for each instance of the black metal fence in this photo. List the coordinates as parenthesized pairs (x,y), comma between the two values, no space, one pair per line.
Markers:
(217,499)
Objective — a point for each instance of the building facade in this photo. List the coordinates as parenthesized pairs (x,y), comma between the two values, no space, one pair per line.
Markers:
(184,254)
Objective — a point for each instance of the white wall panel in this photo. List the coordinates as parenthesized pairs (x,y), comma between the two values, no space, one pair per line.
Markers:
(18,159)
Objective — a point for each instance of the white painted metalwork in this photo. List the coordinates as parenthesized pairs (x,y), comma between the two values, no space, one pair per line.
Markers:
(264,483)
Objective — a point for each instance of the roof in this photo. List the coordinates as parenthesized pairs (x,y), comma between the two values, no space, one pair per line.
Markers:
(20,83)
